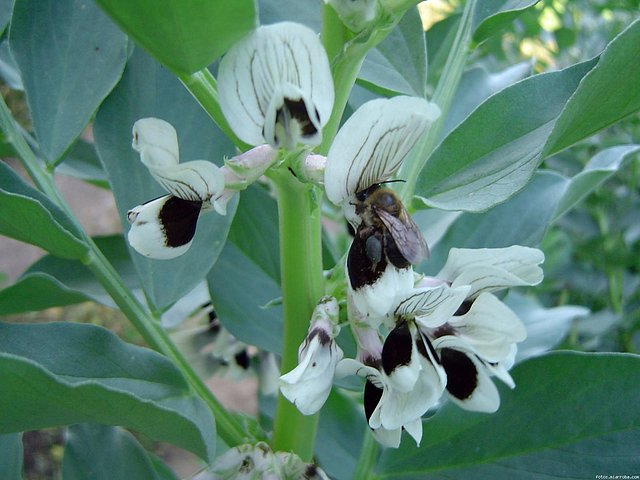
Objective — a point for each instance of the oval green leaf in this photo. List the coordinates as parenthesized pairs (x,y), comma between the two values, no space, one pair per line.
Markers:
(70,56)
(495,151)
(490,18)
(63,373)
(184,35)
(563,402)
(607,94)
(27,215)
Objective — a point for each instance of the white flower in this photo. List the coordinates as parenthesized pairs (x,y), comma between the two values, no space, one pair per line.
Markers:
(371,145)
(407,381)
(493,269)
(164,228)
(308,385)
(476,345)
(275,86)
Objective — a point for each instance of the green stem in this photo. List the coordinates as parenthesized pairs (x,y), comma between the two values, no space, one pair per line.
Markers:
(368,458)
(345,68)
(442,96)
(150,329)
(302,286)
(204,88)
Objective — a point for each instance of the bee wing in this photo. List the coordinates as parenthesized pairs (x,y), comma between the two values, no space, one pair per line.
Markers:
(406,234)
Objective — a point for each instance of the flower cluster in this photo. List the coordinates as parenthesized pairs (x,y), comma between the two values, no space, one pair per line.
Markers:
(417,341)
(276,91)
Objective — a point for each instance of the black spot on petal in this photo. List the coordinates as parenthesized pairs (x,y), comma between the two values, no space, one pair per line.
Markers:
(464,308)
(242,359)
(462,375)
(372,396)
(397,347)
(298,111)
(179,219)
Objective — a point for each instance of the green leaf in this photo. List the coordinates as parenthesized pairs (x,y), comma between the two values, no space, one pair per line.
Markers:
(476,85)
(399,63)
(37,291)
(101,452)
(607,94)
(439,40)
(6,7)
(600,168)
(308,12)
(148,90)
(27,215)
(490,18)
(495,151)
(70,56)
(83,373)
(522,220)
(564,402)
(247,275)
(184,35)
(11,455)
(81,161)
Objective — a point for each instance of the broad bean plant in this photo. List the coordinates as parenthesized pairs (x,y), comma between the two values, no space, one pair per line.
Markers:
(353,210)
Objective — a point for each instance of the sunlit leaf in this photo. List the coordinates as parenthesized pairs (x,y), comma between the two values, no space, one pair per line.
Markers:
(184,35)
(607,94)
(495,151)
(489,18)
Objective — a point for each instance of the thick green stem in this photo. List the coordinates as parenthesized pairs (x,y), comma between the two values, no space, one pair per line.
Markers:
(153,333)
(368,458)
(204,88)
(302,287)
(442,96)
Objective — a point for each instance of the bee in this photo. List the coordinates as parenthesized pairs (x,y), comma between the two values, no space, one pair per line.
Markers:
(386,235)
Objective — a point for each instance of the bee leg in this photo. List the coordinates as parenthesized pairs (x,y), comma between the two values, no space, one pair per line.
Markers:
(373,247)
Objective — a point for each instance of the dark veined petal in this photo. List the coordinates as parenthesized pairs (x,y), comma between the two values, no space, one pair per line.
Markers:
(275,86)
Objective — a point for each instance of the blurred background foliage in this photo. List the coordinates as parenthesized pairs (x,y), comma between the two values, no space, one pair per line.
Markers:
(593,252)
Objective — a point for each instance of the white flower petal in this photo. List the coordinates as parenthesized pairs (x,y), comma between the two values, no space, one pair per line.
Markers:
(163,228)
(433,306)
(350,366)
(415,430)
(157,142)
(491,269)
(378,299)
(308,385)
(489,327)
(198,180)
(373,142)
(400,358)
(468,381)
(388,438)
(266,81)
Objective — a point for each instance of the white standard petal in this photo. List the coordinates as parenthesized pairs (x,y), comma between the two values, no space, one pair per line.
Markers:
(308,385)
(489,327)
(373,142)
(156,141)
(277,82)
(431,306)
(376,300)
(163,228)
(198,180)
(491,269)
